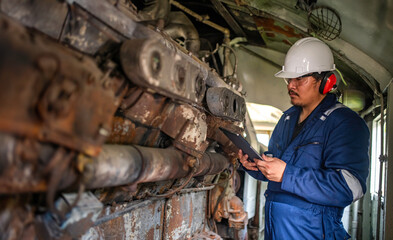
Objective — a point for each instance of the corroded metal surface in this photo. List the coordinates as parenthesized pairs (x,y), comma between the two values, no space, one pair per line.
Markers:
(211,164)
(22,10)
(269,28)
(238,218)
(149,63)
(206,235)
(119,165)
(223,102)
(130,165)
(7,148)
(188,127)
(116,165)
(225,204)
(54,89)
(184,215)
(125,131)
(151,113)
(16,221)
(107,14)
(98,23)
(181,217)
(216,134)
(145,108)
(100,77)
(144,222)
(29,166)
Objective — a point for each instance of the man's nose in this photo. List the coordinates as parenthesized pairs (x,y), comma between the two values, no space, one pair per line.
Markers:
(291,84)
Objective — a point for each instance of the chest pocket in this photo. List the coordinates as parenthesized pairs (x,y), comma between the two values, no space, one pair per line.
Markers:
(309,153)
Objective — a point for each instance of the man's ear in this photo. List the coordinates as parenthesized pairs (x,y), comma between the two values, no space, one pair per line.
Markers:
(328,82)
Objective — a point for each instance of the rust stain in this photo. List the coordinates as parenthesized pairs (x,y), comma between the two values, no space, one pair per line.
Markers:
(114,229)
(123,131)
(147,109)
(187,125)
(191,214)
(150,234)
(287,42)
(174,218)
(270,27)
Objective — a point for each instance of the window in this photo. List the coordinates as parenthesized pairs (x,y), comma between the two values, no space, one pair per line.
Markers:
(375,170)
(376,173)
(263,138)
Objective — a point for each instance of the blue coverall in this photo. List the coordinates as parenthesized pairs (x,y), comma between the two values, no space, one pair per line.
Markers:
(327,167)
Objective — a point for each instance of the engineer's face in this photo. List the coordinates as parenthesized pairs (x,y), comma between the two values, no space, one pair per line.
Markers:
(303,91)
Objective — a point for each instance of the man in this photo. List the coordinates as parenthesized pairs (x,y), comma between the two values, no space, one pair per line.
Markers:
(319,148)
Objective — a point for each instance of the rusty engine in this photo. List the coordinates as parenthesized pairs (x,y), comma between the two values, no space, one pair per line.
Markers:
(109,123)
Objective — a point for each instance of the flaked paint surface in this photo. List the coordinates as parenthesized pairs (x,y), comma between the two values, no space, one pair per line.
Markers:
(139,223)
(187,112)
(185,215)
(197,129)
(195,133)
(129,225)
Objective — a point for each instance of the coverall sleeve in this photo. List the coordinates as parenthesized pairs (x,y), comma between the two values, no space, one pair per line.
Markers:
(342,176)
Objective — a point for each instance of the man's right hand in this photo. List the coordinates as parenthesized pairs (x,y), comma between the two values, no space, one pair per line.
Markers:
(247,164)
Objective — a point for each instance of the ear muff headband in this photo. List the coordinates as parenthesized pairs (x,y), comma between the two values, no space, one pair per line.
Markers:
(328,83)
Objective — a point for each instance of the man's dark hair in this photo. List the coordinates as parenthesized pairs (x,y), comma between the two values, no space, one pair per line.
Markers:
(318,76)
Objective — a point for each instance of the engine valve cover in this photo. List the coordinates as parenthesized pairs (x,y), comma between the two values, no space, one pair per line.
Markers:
(150,64)
(222,102)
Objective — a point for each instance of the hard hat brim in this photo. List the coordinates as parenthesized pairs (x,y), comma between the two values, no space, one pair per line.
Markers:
(283,74)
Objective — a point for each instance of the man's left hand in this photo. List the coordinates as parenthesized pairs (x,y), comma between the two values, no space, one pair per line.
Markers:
(272,168)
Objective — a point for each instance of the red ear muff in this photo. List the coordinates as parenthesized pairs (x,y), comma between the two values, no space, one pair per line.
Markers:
(328,83)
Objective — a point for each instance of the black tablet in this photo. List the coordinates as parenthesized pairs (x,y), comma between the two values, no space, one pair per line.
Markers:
(242,144)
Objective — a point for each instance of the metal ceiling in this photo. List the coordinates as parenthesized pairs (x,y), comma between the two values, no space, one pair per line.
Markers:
(362,50)
(366,40)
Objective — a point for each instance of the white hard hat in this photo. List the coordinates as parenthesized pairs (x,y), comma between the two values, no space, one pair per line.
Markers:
(307,55)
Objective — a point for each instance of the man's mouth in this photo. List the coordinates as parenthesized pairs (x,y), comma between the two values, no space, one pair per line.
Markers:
(292,93)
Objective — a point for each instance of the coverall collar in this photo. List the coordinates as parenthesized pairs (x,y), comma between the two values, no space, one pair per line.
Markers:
(328,101)
(293,113)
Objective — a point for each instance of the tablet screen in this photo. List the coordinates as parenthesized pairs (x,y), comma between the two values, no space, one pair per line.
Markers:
(242,144)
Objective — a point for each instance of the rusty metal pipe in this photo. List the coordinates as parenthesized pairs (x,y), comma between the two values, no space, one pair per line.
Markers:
(129,165)
(116,165)
(212,163)
(202,19)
